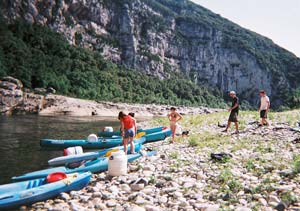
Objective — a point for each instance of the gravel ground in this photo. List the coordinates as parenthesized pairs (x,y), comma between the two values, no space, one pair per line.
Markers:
(260,173)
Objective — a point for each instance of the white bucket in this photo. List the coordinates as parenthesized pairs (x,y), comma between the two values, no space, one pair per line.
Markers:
(108,129)
(92,138)
(117,163)
(73,151)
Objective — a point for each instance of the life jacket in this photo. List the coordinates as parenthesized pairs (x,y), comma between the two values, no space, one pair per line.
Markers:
(128,122)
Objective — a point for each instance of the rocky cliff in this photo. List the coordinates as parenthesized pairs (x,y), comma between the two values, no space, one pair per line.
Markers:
(161,36)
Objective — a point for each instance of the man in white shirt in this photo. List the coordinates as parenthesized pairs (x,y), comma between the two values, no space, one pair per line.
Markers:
(264,107)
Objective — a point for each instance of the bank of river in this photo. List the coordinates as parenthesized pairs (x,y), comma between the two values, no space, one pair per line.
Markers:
(262,174)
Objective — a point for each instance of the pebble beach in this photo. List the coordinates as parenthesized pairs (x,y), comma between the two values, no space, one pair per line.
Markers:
(261,173)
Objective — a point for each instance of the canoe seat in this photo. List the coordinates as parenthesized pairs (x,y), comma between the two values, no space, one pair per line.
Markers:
(35,183)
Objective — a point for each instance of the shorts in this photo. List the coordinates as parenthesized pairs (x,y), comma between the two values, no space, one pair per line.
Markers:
(233,117)
(263,114)
(129,133)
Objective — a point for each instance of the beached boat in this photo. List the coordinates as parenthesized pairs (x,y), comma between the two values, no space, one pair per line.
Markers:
(97,165)
(92,155)
(27,192)
(158,136)
(102,143)
(118,133)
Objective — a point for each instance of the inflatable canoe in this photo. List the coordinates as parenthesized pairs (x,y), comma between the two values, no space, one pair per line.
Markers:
(101,143)
(92,155)
(158,136)
(27,192)
(97,165)
(117,133)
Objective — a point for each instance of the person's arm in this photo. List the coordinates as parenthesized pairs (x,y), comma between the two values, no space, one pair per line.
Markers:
(169,115)
(268,105)
(260,105)
(235,105)
(134,124)
(180,117)
(122,128)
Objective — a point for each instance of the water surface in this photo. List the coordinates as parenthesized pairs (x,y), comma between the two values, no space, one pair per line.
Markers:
(20,150)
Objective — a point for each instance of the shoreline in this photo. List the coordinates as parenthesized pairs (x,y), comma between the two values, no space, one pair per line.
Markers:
(262,173)
(16,100)
(58,105)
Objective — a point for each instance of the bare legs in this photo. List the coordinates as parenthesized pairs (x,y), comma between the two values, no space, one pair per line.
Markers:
(131,145)
(236,127)
(228,126)
(264,121)
(173,129)
(125,144)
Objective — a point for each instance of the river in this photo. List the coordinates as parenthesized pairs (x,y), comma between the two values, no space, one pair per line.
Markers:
(20,150)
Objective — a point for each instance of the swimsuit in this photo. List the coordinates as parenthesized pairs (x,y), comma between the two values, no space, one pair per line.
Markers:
(173,123)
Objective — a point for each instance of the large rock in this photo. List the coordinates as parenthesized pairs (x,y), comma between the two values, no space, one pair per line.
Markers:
(13,81)
(11,94)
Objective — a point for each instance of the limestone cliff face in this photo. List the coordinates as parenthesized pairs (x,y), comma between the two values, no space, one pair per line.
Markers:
(155,37)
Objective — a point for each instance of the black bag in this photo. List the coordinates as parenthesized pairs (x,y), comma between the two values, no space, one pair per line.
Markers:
(222,156)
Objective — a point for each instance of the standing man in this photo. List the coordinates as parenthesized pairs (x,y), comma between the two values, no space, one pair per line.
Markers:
(264,107)
(234,112)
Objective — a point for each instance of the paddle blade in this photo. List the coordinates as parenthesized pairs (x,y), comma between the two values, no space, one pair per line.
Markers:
(140,134)
(110,151)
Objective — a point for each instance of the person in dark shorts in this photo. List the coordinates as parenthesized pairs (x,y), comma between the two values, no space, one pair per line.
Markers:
(127,130)
(234,112)
(264,107)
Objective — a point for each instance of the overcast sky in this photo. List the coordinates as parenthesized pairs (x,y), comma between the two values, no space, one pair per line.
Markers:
(278,20)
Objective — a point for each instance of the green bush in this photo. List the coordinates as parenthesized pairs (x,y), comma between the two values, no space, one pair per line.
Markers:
(296,164)
(40,57)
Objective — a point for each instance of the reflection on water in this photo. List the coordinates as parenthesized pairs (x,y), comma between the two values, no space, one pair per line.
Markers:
(20,150)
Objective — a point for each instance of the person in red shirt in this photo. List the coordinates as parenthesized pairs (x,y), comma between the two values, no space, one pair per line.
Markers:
(128,128)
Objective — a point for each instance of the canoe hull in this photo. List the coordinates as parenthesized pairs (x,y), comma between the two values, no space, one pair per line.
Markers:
(23,193)
(97,165)
(158,136)
(92,155)
(117,133)
(100,144)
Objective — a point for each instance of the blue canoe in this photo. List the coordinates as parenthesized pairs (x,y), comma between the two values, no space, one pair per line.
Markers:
(92,155)
(158,136)
(102,143)
(117,133)
(97,165)
(27,192)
